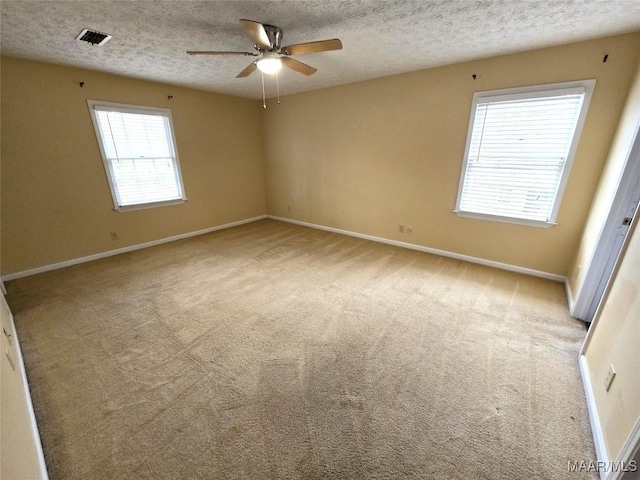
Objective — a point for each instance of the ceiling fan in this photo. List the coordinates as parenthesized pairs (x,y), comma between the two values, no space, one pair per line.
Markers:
(267,41)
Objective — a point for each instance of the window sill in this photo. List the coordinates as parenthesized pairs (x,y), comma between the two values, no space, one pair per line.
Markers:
(144,206)
(498,218)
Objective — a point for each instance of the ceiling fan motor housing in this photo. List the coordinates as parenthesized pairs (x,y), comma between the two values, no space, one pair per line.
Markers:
(275,38)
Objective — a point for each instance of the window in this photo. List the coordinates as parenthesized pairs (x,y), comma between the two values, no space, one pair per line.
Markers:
(139,155)
(519,151)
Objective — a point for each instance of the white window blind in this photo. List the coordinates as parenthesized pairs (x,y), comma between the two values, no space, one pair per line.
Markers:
(517,153)
(139,154)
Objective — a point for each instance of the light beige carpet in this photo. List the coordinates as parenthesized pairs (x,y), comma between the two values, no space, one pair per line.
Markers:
(277,351)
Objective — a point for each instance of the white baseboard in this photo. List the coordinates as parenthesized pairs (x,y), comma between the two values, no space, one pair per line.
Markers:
(594,418)
(110,253)
(412,246)
(444,253)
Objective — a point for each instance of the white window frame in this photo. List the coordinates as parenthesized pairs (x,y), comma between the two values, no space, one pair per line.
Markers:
(585,86)
(138,109)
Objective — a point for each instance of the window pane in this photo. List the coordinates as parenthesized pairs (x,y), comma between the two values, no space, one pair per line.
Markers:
(516,155)
(134,135)
(140,153)
(145,180)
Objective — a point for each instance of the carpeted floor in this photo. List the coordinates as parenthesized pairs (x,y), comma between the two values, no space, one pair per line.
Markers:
(277,351)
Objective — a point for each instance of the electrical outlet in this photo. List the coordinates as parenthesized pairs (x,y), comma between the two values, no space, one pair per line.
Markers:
(114,235)
(611,374)
(401,228)
(408,229)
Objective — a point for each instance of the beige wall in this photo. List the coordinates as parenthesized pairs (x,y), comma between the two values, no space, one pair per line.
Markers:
(56,203)
(608,186)
(364,157)
(615,340)
(369,156)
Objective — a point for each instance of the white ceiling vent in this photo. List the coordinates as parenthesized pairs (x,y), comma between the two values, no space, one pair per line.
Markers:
(94,38)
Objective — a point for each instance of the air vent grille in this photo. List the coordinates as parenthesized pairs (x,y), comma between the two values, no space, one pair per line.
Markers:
(94,38)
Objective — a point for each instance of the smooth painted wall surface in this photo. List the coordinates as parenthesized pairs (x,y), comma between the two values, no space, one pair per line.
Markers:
(370,156)
(608,186)
(56,203)
(615,340)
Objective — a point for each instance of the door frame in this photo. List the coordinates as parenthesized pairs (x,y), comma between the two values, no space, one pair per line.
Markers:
(628,189)
(604,256)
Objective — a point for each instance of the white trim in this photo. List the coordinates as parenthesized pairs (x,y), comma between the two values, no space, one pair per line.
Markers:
(525,93)
(2,287)
(596,429)
(582,86)
(600,254)
(35,433)
(628,451)
(550,89)
(596,317)
(632,444)
(110,253)
(143,110)
(501,219)
(143,206)
(420,248)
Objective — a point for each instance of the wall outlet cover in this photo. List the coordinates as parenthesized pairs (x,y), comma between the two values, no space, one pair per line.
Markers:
(611,374)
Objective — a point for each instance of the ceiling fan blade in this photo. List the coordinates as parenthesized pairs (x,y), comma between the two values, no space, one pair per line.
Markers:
(247,71)
(203,52)
(258,34)
(299,67)
(313,47)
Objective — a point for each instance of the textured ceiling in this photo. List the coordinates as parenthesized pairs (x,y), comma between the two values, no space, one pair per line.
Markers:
(380,38)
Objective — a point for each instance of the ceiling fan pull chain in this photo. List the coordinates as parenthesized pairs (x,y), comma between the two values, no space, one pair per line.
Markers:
(264,101)
(278,87)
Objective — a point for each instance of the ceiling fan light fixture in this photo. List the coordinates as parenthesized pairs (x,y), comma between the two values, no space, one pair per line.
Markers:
(270,63)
